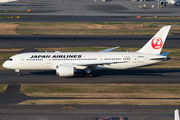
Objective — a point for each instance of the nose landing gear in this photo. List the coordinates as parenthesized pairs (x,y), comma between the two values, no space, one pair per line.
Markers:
(18,71)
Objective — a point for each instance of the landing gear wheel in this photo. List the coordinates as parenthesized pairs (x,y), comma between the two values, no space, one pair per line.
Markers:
(18,71)
(87,72)
(19,74)
(88,75)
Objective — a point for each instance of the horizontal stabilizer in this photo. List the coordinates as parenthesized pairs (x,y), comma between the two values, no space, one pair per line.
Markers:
(165,54)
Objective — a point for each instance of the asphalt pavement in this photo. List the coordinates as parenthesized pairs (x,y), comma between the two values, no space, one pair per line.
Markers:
(85,11)
(44,41)
(84,18)
(134,76)
(12,96)
(57,112)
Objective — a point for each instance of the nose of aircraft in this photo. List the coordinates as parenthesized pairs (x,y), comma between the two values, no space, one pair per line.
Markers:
(7,65)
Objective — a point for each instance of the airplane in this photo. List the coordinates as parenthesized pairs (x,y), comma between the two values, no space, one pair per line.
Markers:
(170,2)
(6,1)
(67,63)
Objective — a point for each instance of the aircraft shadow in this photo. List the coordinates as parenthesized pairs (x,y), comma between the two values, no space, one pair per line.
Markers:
(99,73)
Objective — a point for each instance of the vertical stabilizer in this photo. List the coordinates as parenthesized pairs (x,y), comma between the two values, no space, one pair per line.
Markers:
(155,44)
(176,114)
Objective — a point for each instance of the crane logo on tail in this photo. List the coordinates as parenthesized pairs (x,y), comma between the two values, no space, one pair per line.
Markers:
(157,43)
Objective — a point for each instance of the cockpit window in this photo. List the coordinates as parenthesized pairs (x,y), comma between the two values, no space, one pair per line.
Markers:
(10,59)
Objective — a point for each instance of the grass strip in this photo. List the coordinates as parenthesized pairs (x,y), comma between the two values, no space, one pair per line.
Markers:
(102,90)
(107,94)
(93,28)
(86,28)
(104,95)
(3,87)
(11,50)
(4,56)
(101,102)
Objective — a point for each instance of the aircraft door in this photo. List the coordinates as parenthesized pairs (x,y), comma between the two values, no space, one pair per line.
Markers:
(140,59)
(134,59)
(47,63)
(100,59)
(48,60)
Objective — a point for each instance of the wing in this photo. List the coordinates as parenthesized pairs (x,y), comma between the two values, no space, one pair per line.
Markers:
(109,49)
(95,64)
(91,65)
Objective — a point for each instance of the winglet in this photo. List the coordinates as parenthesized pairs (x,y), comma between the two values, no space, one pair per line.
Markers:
(155,44)
(109,49)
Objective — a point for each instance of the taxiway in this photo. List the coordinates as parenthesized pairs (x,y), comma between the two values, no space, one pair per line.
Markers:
(39,41)
(141,76)
(84,10)
(87,112)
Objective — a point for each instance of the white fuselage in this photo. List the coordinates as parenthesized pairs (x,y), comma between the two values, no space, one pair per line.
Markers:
(49,60)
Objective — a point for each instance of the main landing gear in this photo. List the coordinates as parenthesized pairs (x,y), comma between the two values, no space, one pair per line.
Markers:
(88,73)
(18,71)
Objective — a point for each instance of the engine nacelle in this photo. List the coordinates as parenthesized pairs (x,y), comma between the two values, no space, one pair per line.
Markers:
(163,3)
(65,71)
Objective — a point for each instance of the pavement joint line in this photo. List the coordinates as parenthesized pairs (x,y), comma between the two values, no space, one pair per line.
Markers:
(25,6)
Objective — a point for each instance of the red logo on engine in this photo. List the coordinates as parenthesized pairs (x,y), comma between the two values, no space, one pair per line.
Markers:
(157,43)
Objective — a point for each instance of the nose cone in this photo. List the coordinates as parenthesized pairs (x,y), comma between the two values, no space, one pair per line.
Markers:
(8,65)
(5,64)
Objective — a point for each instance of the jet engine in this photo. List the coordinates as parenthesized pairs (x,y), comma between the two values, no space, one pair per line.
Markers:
(65,71)
(163,3)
